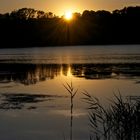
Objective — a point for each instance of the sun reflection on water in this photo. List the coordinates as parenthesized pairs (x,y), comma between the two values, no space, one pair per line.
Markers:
(69,74)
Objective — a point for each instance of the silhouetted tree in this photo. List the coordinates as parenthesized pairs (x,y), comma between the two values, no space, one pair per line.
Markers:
(30,27)
(24,13)
(41,14)
(76,15)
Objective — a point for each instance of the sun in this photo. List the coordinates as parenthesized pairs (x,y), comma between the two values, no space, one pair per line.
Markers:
(68,15)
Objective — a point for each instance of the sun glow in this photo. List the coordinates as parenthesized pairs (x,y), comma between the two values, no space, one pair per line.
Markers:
(68,15)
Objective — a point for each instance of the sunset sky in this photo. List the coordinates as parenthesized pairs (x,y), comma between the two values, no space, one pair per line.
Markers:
(59,7)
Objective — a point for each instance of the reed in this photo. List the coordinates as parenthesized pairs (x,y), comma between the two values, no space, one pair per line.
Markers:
(72,92)
(119,121)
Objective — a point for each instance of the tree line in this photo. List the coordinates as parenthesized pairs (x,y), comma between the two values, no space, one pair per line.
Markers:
(28,27)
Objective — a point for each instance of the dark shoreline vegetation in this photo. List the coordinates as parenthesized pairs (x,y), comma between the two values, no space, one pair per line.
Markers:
(27,27)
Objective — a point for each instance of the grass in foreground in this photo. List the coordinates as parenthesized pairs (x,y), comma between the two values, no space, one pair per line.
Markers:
(120,121)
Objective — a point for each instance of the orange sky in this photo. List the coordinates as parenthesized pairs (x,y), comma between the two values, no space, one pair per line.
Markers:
(59,7)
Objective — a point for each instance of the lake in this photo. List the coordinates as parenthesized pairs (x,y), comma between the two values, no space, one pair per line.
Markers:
(34,103)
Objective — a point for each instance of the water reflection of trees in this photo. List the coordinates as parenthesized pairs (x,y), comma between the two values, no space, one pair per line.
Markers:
(28,73)
(32,73)
(101,71)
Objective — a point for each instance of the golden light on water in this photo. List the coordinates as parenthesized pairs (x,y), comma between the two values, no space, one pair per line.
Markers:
(68,15)
(69,73)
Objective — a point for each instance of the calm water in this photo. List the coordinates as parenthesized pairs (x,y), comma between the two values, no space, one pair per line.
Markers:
(33,101)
